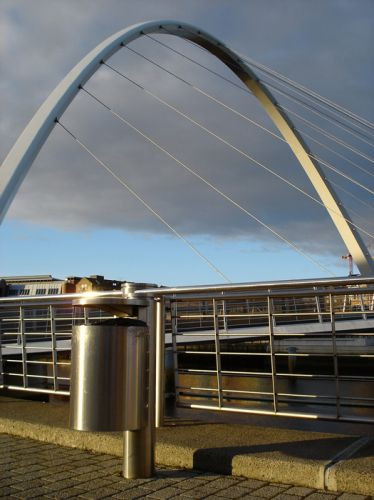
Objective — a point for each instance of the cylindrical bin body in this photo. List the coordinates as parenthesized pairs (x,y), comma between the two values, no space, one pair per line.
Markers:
(108,379)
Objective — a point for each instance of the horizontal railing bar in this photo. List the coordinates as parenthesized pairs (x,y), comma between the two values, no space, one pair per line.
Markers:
(273,294)
(19,361)
(257,286)
(279,413)
(32,389)
(227,353)
(58,299)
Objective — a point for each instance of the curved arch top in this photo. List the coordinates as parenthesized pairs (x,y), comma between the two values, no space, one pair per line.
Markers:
(20,158)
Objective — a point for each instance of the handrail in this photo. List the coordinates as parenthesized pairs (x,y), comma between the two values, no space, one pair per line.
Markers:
(260,285)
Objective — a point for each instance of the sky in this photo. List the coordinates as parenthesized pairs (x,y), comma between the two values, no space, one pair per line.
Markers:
(71,218)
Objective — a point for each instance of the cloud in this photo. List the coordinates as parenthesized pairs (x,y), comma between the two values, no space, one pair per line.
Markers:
(324,45)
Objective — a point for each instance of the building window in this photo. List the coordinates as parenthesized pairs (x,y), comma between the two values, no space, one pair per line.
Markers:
(24,291)
(53,291)
(41,291)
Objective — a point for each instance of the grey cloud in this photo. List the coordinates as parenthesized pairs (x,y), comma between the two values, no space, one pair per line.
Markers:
(314,43)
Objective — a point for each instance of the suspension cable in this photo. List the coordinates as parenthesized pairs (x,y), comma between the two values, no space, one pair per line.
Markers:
(246,155)
(355,133)
(144,203)
(356,129)
(349,193)
(209,184)
(250,93)
(281,80)
(318,97)
(228,80)
(331,136)
(343,157)
(245,117)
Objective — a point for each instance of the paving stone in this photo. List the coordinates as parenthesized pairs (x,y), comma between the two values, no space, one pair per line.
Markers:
(31,493)
(98,493)
(32,475)
(286,496)
(210,476)
(112,469)
(191,483)
(5,492)
(201,492)
(128,484)
(321,495)
(86,469)
(232,492)
(90,476)
(170,492)
(268,491)
(158,484)
(29,469)
(300,491)
(223,482)
(353,496)
(27,485)
(131,494)
(65,483)
(112,461)
(66,493)
(248,496)
(57,476)
(252,484)
(95,484)
(178,474)
(285,486)
(4,483)
(101,458)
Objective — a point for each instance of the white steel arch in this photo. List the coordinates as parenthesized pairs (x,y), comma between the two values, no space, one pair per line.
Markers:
(20,158)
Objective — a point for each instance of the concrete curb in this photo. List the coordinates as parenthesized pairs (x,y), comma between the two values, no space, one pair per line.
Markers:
(309,459)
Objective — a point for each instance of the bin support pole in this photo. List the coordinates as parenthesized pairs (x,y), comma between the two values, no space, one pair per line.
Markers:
(139,446)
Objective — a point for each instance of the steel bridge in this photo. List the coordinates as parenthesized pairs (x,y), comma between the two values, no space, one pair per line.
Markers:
(300,348)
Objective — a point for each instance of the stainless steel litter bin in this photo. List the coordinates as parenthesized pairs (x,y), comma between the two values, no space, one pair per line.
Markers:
(109,376)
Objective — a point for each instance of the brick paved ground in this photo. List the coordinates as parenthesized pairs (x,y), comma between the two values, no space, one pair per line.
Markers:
(31,469)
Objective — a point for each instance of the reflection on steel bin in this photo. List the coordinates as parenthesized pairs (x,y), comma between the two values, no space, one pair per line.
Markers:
(108,379)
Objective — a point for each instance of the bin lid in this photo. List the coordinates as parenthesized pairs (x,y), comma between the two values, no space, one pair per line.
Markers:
(119,322)
(119,306)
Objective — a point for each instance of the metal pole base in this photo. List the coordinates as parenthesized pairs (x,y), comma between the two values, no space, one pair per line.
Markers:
(138,454)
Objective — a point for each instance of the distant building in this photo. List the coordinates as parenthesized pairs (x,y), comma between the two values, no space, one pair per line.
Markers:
(43,284)
(96,282)
(46,284)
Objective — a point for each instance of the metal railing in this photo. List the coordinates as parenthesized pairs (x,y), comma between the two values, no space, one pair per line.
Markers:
(297,348)
(35,341)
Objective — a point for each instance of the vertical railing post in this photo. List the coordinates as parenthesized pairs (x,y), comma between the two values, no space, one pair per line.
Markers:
(335,356)
(54,345)
(174,333)
(160,362)
(362,304)
(318,307)
(23,345)
(248,312)
(1,354)
(218,352)
(272,354)
(224,311)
